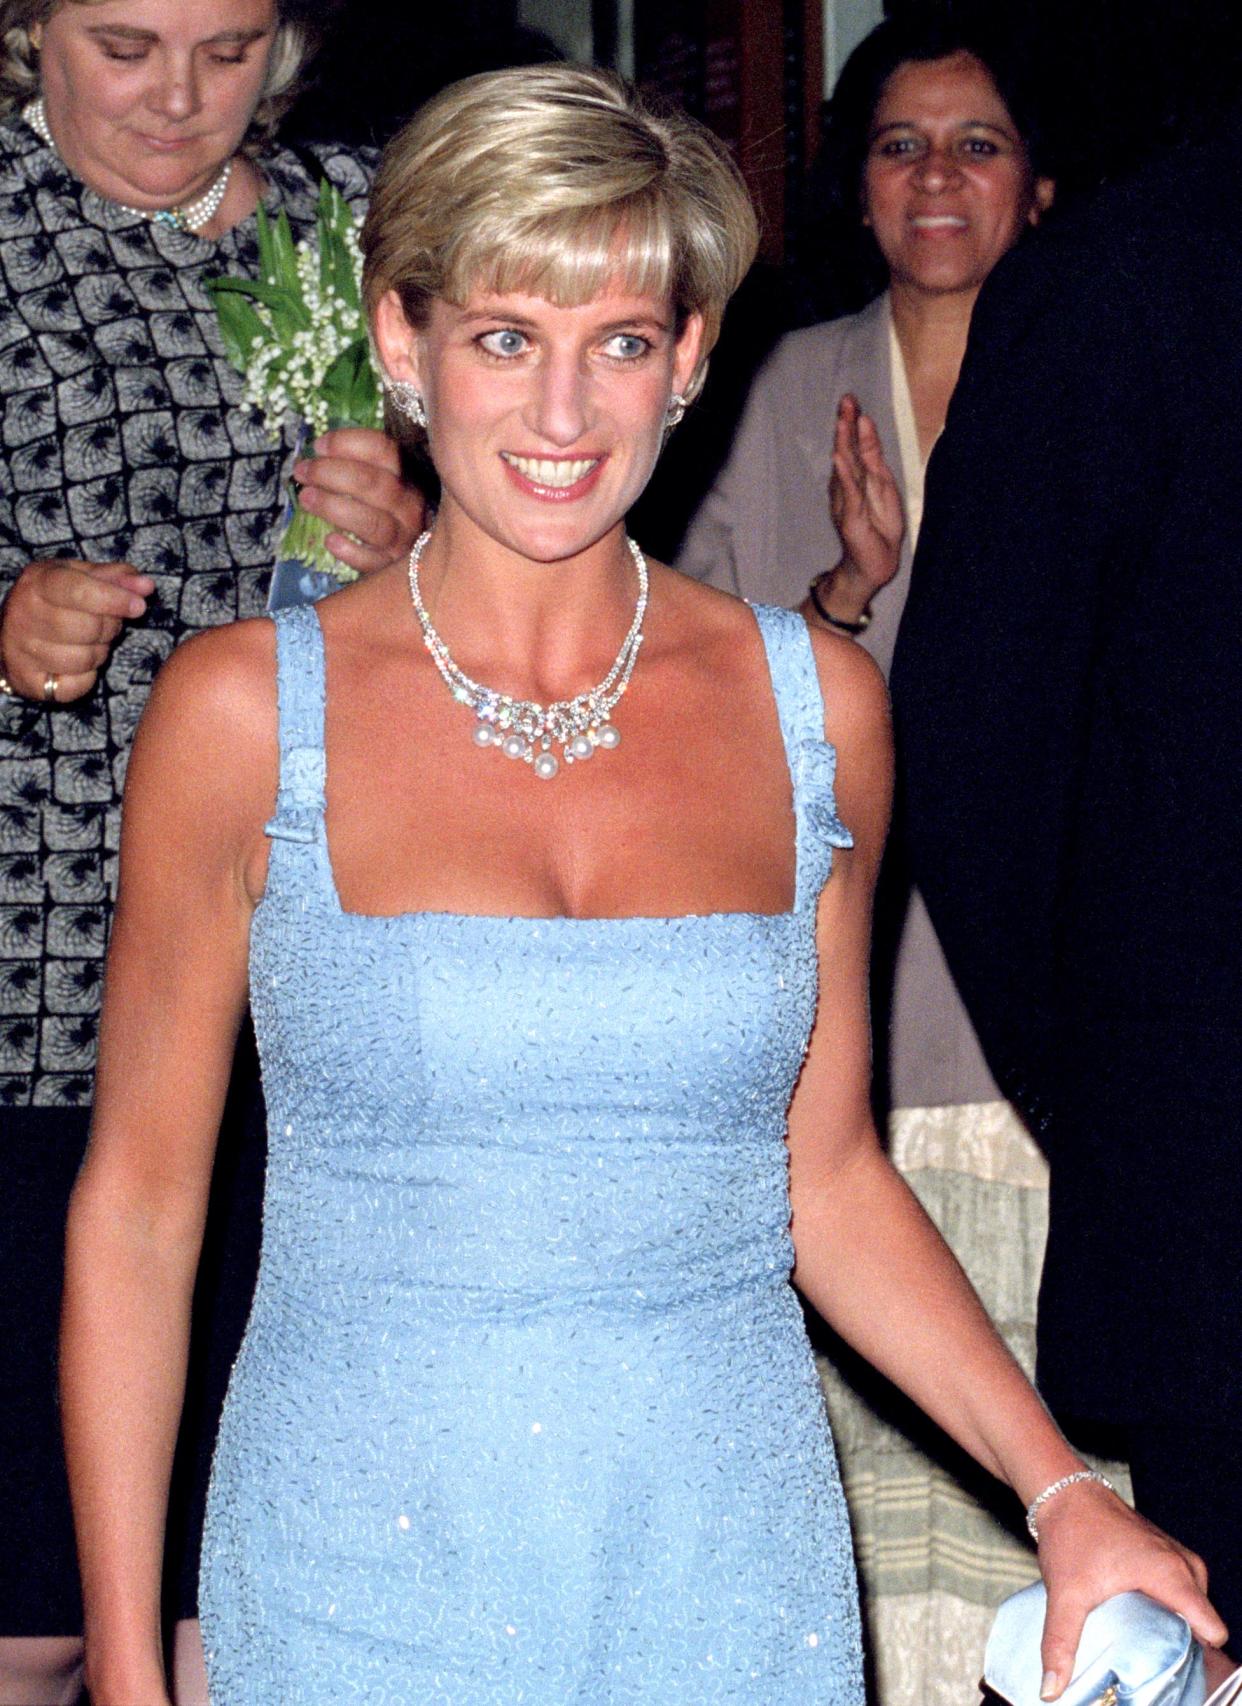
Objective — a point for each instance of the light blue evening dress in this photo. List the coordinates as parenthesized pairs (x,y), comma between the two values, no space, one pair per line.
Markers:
(525,1414)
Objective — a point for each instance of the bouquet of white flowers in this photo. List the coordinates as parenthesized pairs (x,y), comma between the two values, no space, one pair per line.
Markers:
(298,336)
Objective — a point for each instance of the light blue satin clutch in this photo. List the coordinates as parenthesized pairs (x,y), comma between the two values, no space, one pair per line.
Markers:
(1133,1652)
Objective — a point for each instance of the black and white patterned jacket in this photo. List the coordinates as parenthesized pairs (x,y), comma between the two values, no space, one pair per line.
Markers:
(122,438)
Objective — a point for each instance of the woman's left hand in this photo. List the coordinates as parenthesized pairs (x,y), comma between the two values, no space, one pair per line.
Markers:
(353,482)
(1091,1546)
(865,502)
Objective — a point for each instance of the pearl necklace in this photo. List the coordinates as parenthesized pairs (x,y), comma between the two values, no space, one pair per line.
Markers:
(192,217)
(520,728)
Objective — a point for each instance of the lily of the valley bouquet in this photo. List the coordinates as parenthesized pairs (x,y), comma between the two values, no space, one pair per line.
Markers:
(298,336)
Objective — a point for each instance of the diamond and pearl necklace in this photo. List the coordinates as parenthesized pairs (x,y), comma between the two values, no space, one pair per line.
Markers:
(520,728)
(191,217)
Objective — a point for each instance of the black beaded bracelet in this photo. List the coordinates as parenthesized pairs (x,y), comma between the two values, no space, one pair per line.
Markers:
(838,622)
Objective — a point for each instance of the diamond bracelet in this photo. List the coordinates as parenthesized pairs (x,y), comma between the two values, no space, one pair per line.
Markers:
(1041,1499)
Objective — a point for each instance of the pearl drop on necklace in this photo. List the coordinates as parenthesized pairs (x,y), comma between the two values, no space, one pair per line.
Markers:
(521,728)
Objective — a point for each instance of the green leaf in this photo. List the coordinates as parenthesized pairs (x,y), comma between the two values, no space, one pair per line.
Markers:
(289,313)
(335,210)
(240,327)
(346,277)
(349,387)
(337,269)
(338,386)
(267,247)
(269,294)
(366,407)
(338,260)
(273,308)
(323,220)
(346,280)
(286,255)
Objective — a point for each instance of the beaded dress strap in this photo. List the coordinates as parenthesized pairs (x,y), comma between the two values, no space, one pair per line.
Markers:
(300,700)
(812,760)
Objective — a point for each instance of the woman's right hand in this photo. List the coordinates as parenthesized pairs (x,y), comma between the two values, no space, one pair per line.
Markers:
(865,501)
(61,618)
(1092,1546)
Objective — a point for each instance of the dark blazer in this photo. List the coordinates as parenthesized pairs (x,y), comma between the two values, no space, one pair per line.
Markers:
(1068,715)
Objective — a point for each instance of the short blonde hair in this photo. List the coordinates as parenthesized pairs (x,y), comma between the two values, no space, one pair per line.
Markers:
(293,47)
(555,179)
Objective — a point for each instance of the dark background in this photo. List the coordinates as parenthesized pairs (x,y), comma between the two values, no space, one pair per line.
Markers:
(1119,77)
(1114,81)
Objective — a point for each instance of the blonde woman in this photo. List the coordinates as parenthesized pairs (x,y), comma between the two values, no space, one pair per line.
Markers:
(527,846)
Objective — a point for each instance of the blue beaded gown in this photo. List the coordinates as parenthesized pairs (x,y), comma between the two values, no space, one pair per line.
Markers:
(525,1414)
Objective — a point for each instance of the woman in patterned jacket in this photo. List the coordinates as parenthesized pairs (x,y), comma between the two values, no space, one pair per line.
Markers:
(138,502)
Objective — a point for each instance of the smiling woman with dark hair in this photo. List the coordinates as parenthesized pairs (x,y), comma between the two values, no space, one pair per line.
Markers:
(842,238)
(934,161)
(139,503)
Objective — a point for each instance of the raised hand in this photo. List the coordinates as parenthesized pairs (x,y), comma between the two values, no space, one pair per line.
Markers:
(865,501)
(1091,1546)
(59,622)
(353,482)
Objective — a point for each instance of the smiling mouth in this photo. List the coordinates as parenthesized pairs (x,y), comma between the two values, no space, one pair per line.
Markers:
(938,222)
(554,475)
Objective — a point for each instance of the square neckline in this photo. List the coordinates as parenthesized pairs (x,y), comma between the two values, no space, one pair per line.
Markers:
(600,921)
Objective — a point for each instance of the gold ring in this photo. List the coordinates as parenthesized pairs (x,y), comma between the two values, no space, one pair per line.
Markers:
(50,685)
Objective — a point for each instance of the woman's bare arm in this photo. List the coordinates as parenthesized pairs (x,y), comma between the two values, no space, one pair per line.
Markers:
(873,1264)
(201,784)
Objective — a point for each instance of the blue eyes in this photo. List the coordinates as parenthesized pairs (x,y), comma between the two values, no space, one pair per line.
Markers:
(627,346)
(506,342)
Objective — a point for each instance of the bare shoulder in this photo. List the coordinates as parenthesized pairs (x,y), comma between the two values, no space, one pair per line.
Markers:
(210,723)
(718,627)
(704,613)
(224,678)
(855,692)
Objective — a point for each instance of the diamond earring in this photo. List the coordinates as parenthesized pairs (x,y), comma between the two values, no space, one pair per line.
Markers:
(676,409)
(407,399)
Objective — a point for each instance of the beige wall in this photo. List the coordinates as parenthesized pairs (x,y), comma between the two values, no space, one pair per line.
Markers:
(568,22)
(846,22)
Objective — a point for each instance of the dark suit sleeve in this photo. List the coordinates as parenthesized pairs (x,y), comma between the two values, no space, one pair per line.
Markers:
(1038,495)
